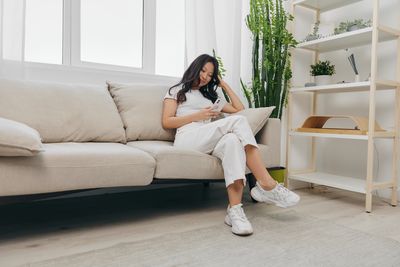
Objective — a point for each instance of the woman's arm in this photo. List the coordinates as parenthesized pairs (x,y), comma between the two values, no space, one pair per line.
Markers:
(170,121)
(235,105)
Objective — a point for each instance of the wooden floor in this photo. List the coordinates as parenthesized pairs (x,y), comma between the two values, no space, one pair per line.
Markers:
(40,230)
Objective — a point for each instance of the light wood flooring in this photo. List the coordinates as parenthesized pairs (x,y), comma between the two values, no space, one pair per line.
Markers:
(39,230)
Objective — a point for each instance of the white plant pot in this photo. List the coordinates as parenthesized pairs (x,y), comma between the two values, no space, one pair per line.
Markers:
(323,79)
(353,28)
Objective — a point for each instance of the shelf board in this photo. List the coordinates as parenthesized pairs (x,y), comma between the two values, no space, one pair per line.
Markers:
(347,87)
(342,136)
(327,179)
(349,39)
(326,135)
(324,5)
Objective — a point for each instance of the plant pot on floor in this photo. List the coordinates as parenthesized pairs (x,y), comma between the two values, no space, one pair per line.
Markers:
(323,79)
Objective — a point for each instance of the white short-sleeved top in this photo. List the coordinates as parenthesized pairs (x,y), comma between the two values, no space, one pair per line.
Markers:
(195,101)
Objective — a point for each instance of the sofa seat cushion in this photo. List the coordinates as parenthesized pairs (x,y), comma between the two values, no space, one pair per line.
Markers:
(70,166)
(62,112)
(177,163)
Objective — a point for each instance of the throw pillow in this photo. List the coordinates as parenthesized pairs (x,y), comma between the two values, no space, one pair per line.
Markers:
(18,139)
(257,117)
(140,107)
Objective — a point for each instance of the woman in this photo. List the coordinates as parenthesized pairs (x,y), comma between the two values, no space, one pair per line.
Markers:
(188,107)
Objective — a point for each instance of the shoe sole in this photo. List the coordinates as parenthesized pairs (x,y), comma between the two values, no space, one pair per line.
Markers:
(254,194)
(227,222)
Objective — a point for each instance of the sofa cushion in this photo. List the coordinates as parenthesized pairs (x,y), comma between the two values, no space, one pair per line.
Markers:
(71,166)
(180,163)
(257,117)
(18,139)
(187,164)
(140,107)
(62,112)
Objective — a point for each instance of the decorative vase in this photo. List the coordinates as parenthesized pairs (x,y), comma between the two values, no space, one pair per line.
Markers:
(323,79)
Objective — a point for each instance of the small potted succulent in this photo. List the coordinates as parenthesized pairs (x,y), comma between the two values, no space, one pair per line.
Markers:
(348,26)
(322,72)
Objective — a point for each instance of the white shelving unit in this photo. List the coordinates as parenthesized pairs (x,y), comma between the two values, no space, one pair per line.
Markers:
(367,36)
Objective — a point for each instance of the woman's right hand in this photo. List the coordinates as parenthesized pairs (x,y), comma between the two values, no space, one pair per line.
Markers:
(205,114)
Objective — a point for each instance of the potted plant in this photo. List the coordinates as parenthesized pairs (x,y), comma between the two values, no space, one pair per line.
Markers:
(272,41)
(322,71)
(348,26)
(314,35)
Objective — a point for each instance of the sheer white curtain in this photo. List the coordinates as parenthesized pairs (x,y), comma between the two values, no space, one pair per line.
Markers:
(216,24)
(200,28)
(12,25)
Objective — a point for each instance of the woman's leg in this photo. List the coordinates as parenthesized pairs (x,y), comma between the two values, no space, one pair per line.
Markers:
(205,137)
(256,165)
(267,189)
(235,192)
(230,151)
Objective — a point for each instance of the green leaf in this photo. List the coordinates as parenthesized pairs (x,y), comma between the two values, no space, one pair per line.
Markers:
(272,41)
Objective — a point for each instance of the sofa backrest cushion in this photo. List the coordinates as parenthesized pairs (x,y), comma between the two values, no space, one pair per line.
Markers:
(18,139)
(257,117)
(62,112)
(140,107)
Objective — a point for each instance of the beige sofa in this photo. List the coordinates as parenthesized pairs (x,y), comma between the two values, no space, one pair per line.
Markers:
(102,136)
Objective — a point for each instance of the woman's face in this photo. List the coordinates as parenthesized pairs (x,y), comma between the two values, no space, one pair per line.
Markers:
(206,74)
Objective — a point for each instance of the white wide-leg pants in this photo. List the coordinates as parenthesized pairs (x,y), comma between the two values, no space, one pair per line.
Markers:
(225,139)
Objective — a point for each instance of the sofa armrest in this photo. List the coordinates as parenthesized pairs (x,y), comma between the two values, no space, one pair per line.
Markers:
(270,135)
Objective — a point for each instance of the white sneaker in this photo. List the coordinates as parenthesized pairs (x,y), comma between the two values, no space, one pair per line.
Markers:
(279,195)
(238,220)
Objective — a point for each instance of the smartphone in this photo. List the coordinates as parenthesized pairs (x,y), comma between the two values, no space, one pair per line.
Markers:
(218,105)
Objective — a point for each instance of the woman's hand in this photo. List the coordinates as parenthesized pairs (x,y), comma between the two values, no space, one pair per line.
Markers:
(235,104)
(221,83)
(205,114)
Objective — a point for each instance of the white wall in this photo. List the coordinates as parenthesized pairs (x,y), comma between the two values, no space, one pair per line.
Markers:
(348,157)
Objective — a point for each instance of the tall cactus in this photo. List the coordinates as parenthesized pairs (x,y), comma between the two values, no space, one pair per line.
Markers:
(270,57)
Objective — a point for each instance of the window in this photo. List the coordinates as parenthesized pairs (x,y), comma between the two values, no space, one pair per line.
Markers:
(111,32)
(170,37)
(146,36)
(43,31)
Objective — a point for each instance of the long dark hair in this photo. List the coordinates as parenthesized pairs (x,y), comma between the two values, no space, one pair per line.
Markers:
(192,75)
